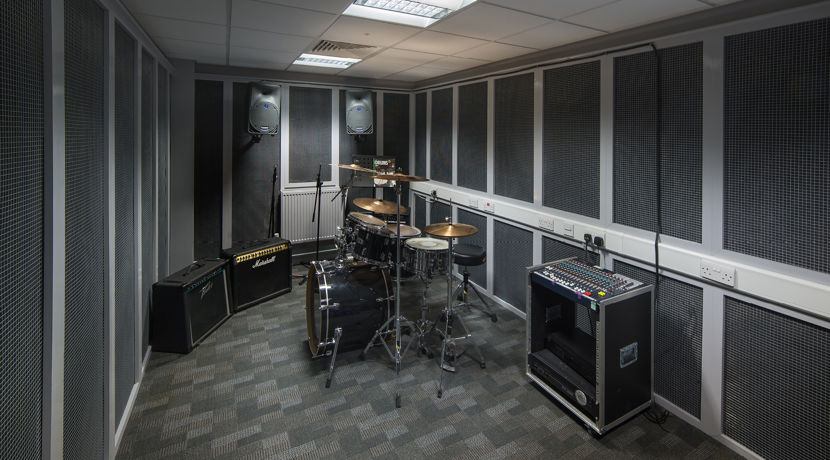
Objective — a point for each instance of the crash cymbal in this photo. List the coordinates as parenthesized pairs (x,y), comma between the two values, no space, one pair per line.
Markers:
(401,177)
(450,230)
(353,167)
(379,206)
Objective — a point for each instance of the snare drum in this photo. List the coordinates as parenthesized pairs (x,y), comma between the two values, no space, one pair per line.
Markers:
(426,256)
(356,297)
(407,232)
(367,237)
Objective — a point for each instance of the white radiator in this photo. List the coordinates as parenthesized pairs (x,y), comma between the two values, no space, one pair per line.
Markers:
(297,208)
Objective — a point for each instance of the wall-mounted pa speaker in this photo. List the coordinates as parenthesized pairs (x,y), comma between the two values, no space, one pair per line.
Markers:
(359,112)
(264,109)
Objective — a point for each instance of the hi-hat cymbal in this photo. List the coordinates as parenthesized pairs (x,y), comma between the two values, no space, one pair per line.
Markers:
(353,167)
(401,177)
(450,230)
(379,206)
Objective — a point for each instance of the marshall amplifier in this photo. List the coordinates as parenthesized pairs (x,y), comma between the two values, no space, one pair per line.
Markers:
(188,305)
(260,270)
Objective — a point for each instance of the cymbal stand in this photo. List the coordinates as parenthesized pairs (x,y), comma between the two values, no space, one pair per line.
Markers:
(344,199)
(398,319)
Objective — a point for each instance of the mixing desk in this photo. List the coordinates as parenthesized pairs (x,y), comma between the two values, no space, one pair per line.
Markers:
(582,282)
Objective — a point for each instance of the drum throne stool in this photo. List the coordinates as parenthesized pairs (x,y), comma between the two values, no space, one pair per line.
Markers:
(470,255)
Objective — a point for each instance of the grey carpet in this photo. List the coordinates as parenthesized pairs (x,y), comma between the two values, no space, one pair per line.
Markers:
(250,390)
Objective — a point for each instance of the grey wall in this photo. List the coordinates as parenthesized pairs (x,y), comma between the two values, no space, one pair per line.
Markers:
(182,97)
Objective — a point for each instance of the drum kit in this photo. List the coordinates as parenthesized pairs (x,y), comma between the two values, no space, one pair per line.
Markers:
(351,300)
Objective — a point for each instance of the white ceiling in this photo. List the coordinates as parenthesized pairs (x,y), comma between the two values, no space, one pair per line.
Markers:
(270,34)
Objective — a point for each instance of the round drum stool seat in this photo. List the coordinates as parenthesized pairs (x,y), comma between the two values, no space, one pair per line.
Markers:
(469,254)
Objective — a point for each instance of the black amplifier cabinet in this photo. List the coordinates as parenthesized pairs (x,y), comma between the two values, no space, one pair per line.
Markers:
(188,305)
(260,270)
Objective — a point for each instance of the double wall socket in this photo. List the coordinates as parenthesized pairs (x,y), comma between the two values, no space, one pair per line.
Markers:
(546,223)
(717,272)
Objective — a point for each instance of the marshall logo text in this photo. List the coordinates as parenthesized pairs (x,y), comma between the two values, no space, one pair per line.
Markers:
(263,262)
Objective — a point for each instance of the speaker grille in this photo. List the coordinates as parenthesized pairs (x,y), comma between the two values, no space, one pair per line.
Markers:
(21,234)
(147,191)
(207,169)
(440,141)
(472,136)
(776,400)
(554,250)
(570,141)
(86,159)
(513,249)
(396,135)
(163,160)
(478,273)
(678,338)
(310,137)
(513,137)
(777,144)
(351,145)
(421,134)
(635,136)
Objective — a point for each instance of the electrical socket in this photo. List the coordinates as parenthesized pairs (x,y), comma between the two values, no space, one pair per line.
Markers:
(716,272)
(473,204)
(489,206)
(546,223)
(568,229)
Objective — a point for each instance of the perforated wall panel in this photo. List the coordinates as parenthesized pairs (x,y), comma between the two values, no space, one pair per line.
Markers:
(570,139)
(678,336)
(513,137)
(396,137)
(440,141)
(207,169)
(777,144)
(472,136)
(310,138)
(253,173)
(554,250)
(635,140)
(148,130)
(21,234)
(421,134)
(163,164)
(439,212)
(477,273)
(86,160)
(125,238)
(776,400)
(420,213)
(513,249)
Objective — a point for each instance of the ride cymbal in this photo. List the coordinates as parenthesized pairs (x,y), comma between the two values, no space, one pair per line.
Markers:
(379,206)
(450,230)
(353,167)
(401,177)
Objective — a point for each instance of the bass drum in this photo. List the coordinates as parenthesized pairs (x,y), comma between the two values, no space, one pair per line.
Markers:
(356,297)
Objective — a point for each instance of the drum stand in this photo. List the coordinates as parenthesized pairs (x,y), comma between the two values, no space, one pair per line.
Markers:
(382,332)
(335,343)
(344,195)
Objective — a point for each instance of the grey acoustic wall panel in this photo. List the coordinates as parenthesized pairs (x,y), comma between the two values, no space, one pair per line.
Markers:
(310,137)
(554,250)
(570,139)
(207,169)
(125,238)
(513,249)
(440,141)
(439,212)
(635,140)
(777,144)
(253,173)
(420,213)
(513,137)
(163,175)
(478,273)
(148,178)
(396,138)
(86,160)
(678,338)
(21,228)
(776,400)
(421,134)
(472,136)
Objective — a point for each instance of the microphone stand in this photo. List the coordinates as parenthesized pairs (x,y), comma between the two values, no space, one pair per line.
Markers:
(272,224)
(316,213)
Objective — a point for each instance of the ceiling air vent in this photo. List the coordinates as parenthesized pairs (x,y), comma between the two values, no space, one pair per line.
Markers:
(343,49)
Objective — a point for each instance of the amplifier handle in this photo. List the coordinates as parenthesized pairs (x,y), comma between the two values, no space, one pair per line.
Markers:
(193,265)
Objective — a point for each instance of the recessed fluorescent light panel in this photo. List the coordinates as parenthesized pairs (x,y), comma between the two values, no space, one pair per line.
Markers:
(320,60)
(420,14)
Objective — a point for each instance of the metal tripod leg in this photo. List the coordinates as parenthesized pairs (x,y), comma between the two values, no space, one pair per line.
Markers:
(462,289)
(337,333)
(467,335)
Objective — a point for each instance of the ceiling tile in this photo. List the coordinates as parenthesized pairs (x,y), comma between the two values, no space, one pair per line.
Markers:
(207,53)
(552,9)
(265,59)
(327,6)
(412,57)
(453,63)
(429,41)
(378,67)
(211,11)
(365,32)
(269,41)
(279,19)
(313,69)
(553,34)
(495,52)
(418,73)
(626,14)
(183,30)
(487,22)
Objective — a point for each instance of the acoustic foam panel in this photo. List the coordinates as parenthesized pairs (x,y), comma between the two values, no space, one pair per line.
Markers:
(513,137)
(472,136)
(85,176)
(635,140)
(513,249)
(570,139)
(421,134)
(777,144)
(440,141)
(310,134)
(478,274)
(207,170)
(21,232)
(163,175)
